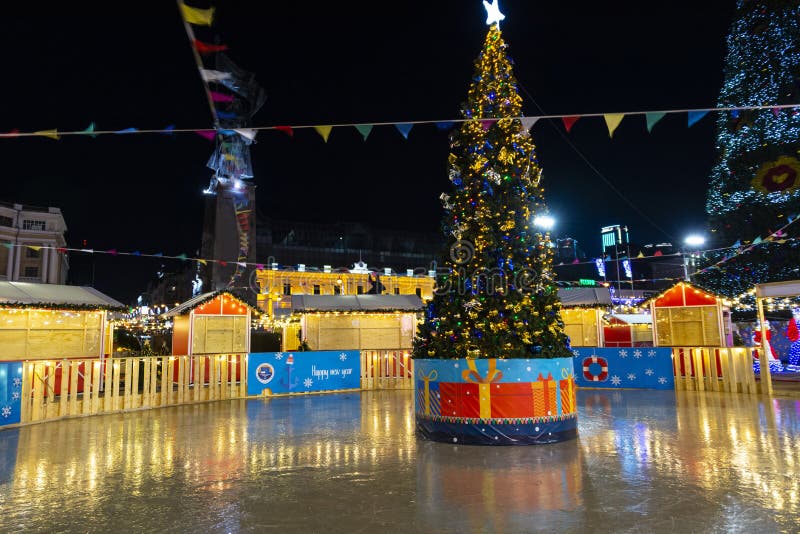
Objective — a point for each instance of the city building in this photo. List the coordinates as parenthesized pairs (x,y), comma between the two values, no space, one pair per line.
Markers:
(33,244)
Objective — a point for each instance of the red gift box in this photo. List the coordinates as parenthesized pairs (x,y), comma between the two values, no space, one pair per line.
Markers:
(459,399)
(512,400)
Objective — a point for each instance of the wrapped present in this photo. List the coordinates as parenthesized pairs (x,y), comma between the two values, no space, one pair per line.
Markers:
(511,400)
(544,396)
(480,386)
(459,399)
(427,393)
(566,387)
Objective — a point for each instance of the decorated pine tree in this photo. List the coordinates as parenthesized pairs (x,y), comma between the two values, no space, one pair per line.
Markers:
(495,294)
(755,184)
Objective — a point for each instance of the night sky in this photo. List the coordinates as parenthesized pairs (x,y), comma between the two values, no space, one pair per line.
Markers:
(130,65)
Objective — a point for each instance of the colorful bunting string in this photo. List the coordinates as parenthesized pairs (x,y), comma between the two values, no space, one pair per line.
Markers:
(651,118)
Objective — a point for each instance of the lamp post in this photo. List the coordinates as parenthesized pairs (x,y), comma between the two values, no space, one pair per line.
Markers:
(691,242)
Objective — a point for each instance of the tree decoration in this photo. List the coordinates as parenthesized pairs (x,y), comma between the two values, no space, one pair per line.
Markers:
(779,176)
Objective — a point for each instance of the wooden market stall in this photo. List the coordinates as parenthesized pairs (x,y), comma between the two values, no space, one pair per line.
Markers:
(688,316)
(51,321)
(582,310)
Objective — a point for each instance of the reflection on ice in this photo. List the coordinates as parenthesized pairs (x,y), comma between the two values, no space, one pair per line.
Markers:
(643,460)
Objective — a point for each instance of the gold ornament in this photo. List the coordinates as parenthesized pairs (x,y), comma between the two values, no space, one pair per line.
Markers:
(779,176)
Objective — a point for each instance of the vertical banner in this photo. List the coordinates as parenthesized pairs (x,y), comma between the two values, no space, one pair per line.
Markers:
(10,392)
(303,372)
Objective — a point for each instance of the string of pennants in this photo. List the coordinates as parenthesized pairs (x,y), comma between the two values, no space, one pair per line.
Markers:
(612,121)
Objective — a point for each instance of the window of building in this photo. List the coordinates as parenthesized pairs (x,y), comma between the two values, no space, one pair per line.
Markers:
(32,224)
(316,289)
(31,272)
(360,290)
(6,221)
(32,253)
(337,290)
(397,291)
(287,289)
(419,292)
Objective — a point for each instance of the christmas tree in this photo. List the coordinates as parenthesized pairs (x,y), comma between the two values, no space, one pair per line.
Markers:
(495,294)
(755,184)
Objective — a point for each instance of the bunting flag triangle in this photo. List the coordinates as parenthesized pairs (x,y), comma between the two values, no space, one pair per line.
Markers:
(208,134)
(737,244)
(404,128)
(324,131)
(445,125)
(247,133)
(735,113)
(576,261)
(658,253)
(89,130)
(641,254)
(199,17)
(220,97)
(241,264)
(569,121)
(158,254)
(757,240)
(695,116)
(528,122)
(223,263)
(225,115)
(364,130)
(8,245)
(205,48)
(612,121)
(126,131)
(112,251)
(204,262)
(214,75)
(286,129)
(487,123)
(52,134)
(652,119)
(181,256)
(169,129)
(136,253)
(34,247)
(260,266)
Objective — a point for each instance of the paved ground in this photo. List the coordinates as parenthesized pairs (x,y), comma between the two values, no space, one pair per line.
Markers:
(644,461)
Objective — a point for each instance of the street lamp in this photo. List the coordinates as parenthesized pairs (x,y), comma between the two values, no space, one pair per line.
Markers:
(545,222)
(692,241)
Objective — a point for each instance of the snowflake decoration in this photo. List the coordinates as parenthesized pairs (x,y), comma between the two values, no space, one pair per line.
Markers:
(455,365)
(648,372)
(576,352)
(615,380)
(494,176)
(631,376)
(651,353)
(17,382)
(662,380)
(343,356)
(15,396)
(308,382)
(454,174)
(637,354)
(279,356)
(623,354)
(6,411)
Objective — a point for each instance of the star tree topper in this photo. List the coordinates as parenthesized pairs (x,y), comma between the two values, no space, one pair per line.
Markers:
(493,15)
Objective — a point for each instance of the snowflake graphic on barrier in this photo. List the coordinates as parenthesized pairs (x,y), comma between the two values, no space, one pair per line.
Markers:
(308,382)
(662,380)
(615,380)
(6,411)
(637,354)
(15,396)
(631,376)
(576,352)
(648,372)
(17,382)
(623,354)
(651,353)
(279,356)
(343,356)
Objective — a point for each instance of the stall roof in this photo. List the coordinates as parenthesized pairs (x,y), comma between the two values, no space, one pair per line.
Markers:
(584,296)
(364,303)
(192,303)
(29,295)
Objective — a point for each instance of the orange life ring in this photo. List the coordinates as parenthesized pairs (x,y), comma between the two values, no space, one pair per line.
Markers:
(602,376)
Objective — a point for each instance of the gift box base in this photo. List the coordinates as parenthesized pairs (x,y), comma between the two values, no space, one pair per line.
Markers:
(498,433)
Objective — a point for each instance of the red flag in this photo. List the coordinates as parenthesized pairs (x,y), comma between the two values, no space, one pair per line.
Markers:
(205,48)
(286,129)
(569,121)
